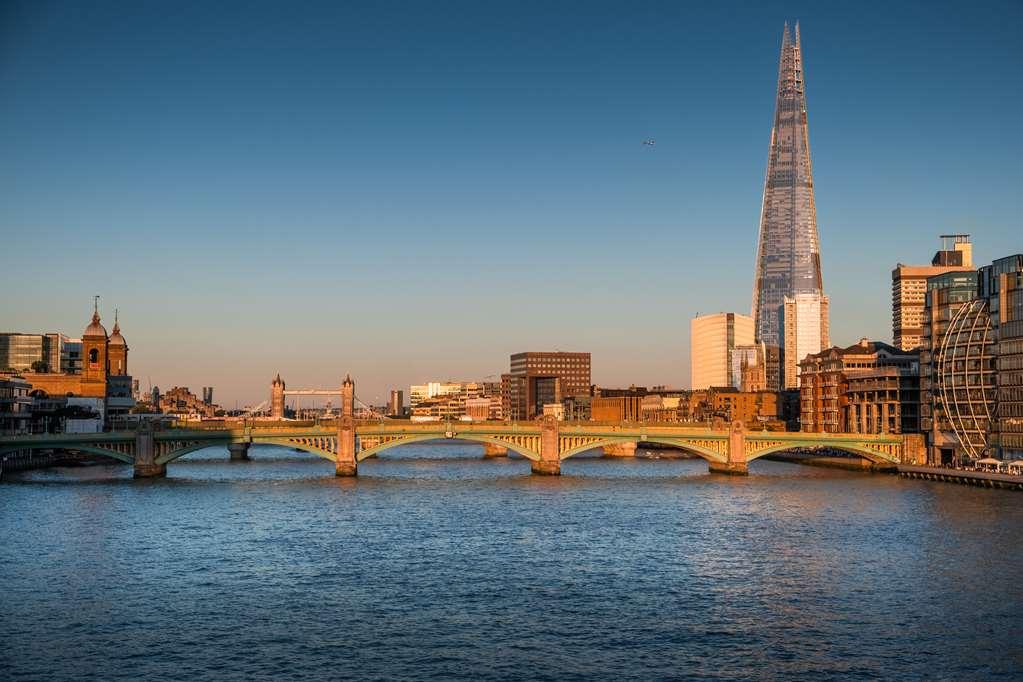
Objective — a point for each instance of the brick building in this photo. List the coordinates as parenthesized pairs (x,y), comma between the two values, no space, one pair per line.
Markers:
(103,375)
(869,387)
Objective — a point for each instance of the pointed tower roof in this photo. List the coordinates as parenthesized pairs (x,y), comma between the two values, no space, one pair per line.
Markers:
(95,328)
(116,339)
(788,253)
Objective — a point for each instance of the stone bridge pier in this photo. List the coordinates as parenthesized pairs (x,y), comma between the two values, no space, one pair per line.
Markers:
(494,450)
(239,452)
(620,450)
(345,463)
(736,464)
(145,454)
(549,463)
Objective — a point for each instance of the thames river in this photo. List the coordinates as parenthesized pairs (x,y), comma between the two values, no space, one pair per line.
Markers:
(437,564)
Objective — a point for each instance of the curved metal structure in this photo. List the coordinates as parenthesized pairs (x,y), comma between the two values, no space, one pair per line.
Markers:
(965,376)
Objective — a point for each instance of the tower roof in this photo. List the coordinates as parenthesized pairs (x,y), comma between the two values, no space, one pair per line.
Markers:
(95,328)
(788,253)
(116,339)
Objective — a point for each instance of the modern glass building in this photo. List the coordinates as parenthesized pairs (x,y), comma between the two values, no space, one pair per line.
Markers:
(20,351)
(972,363)
(1001,285)
(788,253)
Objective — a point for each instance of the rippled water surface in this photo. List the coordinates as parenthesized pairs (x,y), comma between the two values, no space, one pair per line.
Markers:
(438,564)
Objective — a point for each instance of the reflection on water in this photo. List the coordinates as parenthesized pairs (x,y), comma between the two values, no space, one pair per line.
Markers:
(437,563)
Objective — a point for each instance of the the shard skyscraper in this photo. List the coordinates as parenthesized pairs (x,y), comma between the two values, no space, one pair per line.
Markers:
(789,306)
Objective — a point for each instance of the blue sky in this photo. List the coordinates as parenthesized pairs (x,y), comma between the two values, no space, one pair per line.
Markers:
(412,191)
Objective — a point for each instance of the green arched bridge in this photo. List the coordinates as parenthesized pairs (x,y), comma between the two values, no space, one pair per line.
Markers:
(545,442)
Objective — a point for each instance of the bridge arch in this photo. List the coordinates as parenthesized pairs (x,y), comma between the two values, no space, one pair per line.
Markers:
(124,457)
(190,448)
(421,438)
(682,444)
(193,447)
(297,445)
(852,448)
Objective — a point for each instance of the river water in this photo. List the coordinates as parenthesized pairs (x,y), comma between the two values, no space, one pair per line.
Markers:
(437,564)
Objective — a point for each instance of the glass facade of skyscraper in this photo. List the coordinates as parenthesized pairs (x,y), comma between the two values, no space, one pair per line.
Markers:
(788,253)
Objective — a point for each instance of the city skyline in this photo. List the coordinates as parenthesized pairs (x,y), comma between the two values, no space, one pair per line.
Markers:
(407,226)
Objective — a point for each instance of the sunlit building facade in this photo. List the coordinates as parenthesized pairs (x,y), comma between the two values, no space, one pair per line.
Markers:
(538,378)
(444,399)
(805,332)
(869,387)
(1001,284)
(909,288)
(23,352)
(713,340)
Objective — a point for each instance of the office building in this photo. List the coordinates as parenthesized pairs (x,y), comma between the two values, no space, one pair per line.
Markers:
(396,403)
(805,332)
(972,363)
(70,355)
(1001,285)
(30,352)
(909,286)
(621,408)
(788,253)
(447,400)
(712,342)
(15,405)
(536,379)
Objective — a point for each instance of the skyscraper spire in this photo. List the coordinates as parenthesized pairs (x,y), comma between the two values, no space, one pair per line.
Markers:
(788,253)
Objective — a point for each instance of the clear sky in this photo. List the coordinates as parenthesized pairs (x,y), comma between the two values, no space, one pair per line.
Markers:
(412,191)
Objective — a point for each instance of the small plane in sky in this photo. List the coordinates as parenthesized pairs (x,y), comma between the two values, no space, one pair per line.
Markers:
(650,142)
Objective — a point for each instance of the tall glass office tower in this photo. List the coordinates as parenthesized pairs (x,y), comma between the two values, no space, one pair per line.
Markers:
(788,254)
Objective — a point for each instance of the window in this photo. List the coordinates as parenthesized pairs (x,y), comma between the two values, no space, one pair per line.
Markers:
(93,355)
